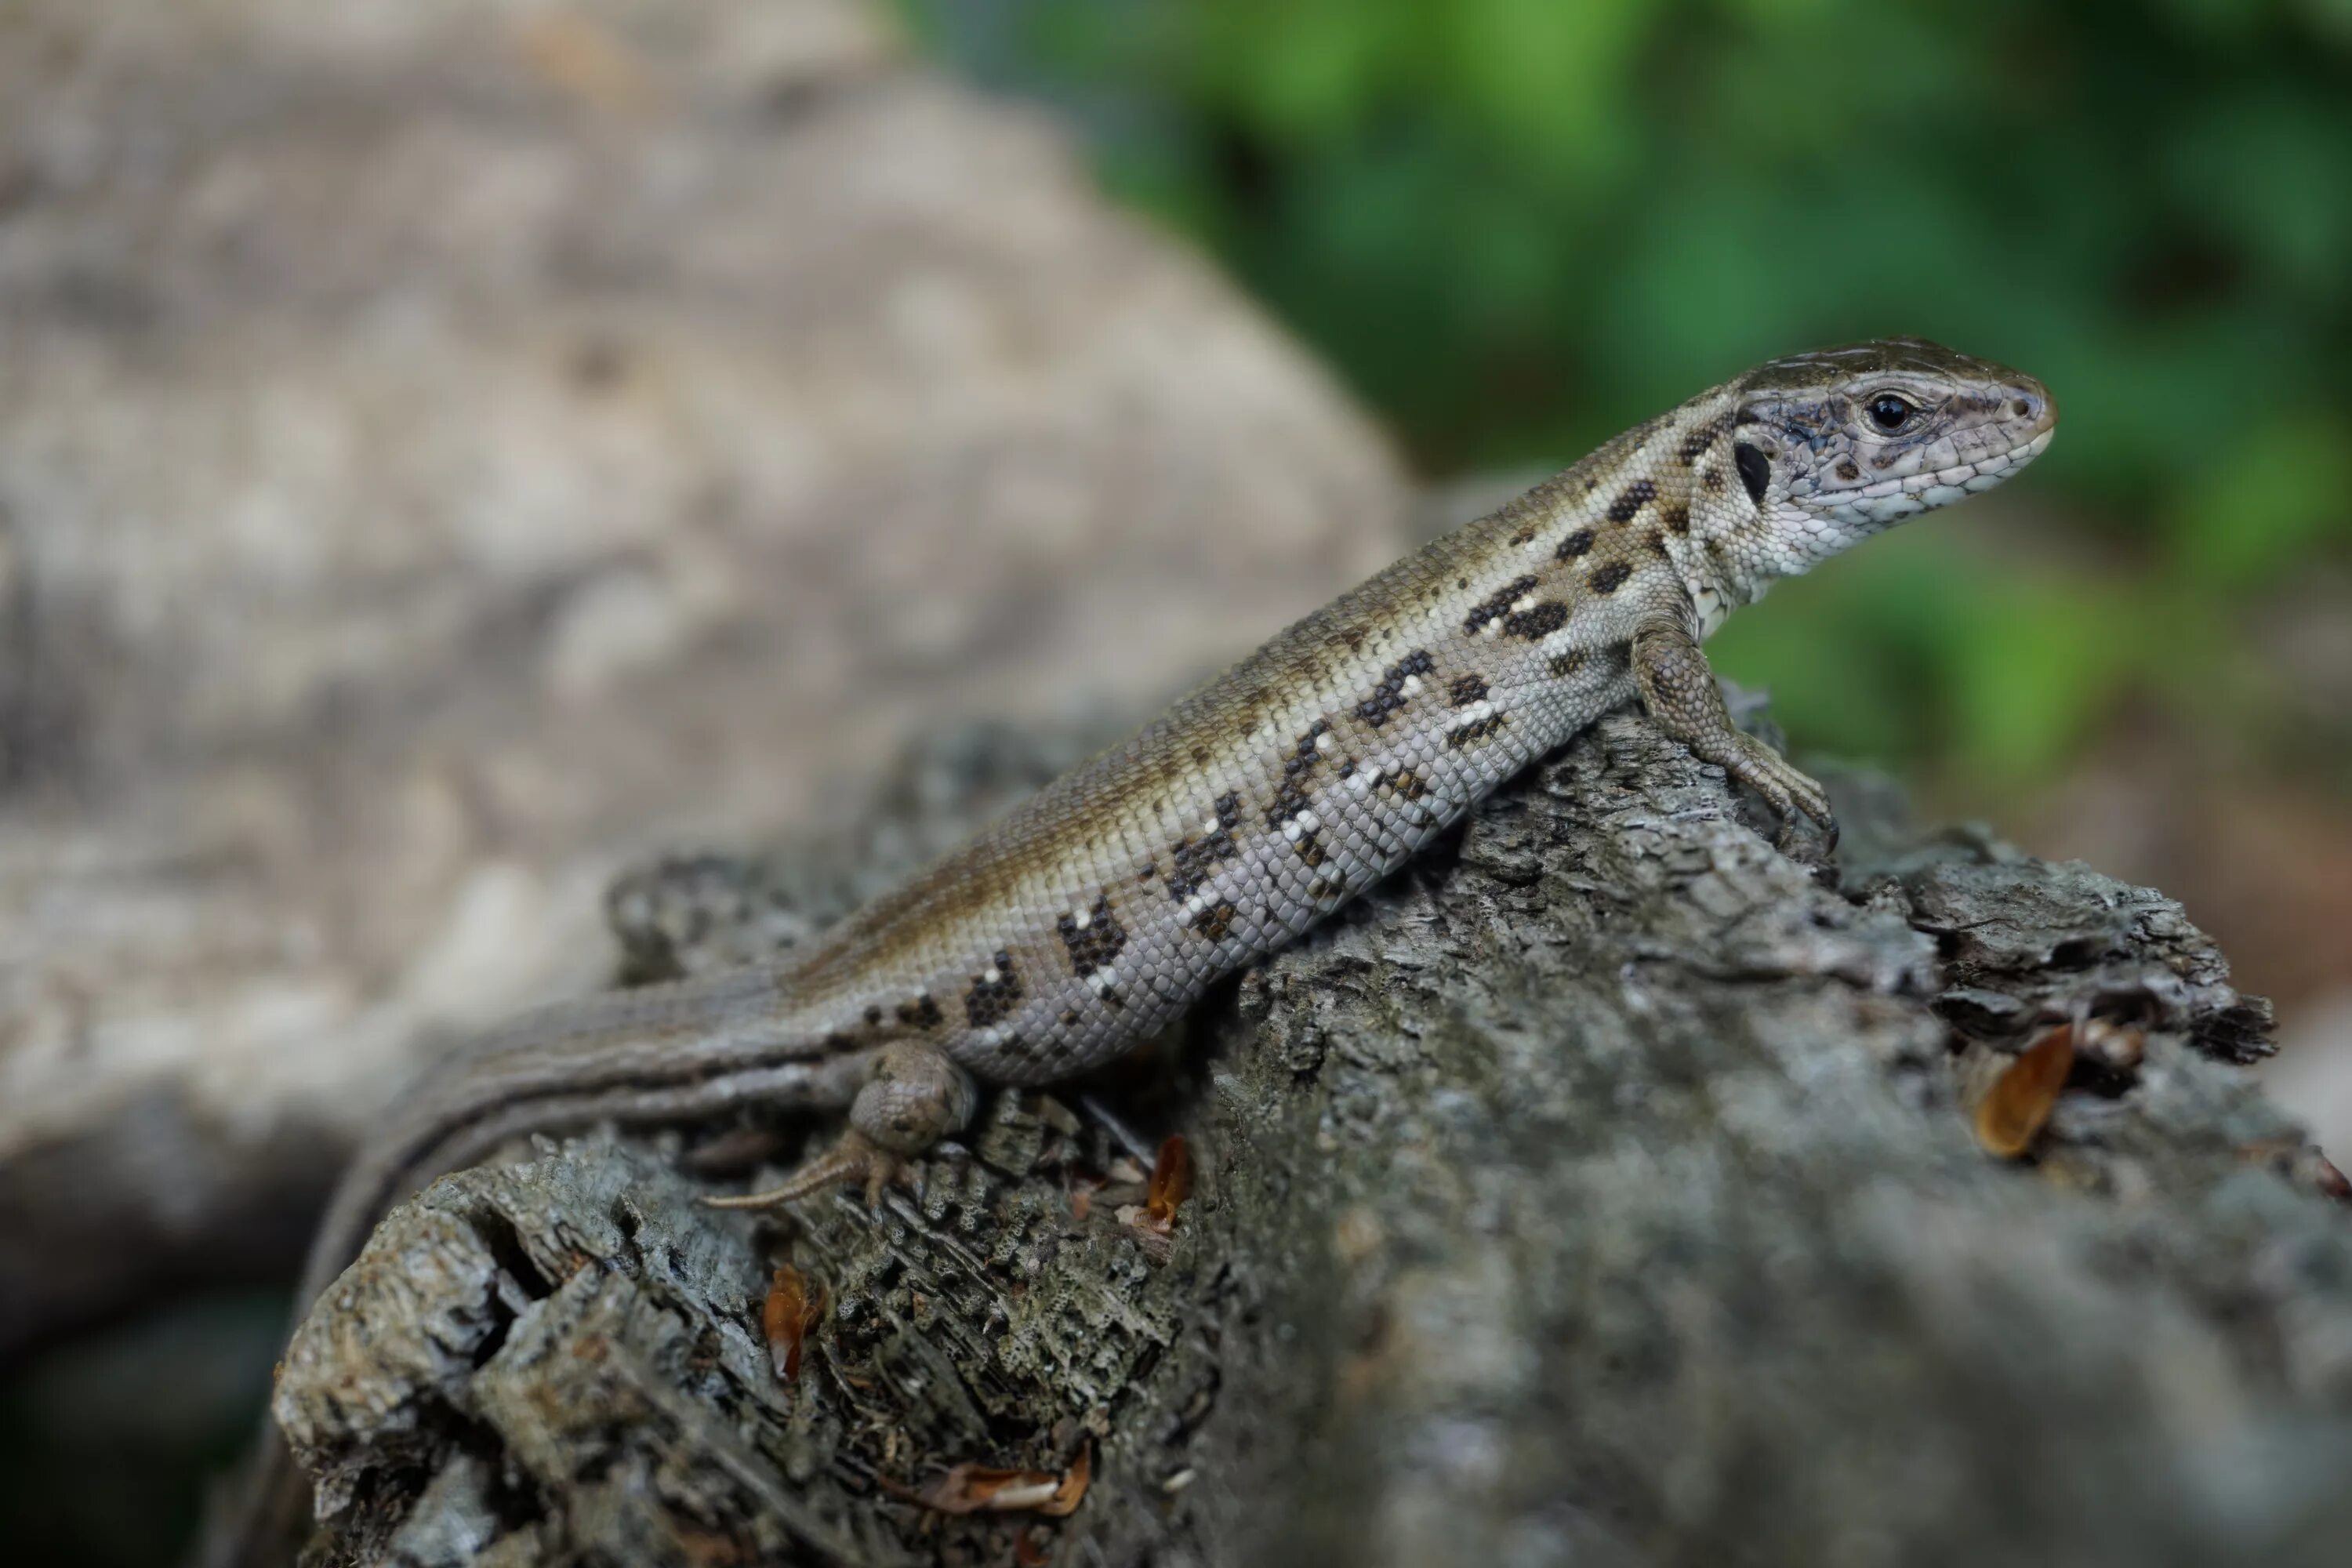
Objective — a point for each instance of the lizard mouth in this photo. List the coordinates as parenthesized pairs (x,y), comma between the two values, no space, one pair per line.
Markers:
(1942,486)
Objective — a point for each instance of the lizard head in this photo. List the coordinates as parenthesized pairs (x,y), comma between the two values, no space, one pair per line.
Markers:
(1835,445)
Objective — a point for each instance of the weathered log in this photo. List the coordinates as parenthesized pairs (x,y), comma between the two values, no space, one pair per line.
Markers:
(1600,1189)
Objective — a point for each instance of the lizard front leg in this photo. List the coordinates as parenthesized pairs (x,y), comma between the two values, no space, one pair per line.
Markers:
(1685,701)
(914,1097)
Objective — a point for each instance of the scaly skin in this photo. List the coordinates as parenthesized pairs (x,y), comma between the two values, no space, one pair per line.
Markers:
(1105,907)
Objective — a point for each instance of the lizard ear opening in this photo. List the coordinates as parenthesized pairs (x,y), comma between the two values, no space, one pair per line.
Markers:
(1755,471)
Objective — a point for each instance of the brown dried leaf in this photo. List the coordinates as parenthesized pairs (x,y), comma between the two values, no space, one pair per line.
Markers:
(786,1318)
(1171,1181)
(1029,1548)
(976,1488)
(1073,1488)
(981,1488)
(2019,1100)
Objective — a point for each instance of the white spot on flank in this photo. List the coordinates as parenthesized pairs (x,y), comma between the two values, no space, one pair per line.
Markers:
(1412,684)
(1477,713)
(1525,603)
(1324,742)
(1082,918)
(990,976)
(1196,903)
(1102,980)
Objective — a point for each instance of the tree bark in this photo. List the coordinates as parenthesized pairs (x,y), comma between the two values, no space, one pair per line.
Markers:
(1600,1189)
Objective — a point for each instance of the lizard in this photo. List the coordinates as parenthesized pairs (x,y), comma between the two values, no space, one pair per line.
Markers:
(1095,914)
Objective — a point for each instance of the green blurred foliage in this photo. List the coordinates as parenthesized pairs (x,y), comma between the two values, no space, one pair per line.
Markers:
(1517,226)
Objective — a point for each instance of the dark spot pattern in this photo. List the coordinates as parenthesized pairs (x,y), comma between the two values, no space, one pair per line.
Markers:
(1677,518)
(1611,577)
(1657,544)
(1523,536)
(1575,544)
(1496,605)
(1847,470)
(1290,796)
(1536,622)
(1388,695)
(873,1015)
(992,1000)
(1564,665)
(1755,471)
(1694,446)
(1461,736)
(1713,480)
(1468,689)
(1406,783)
(922,1013)
(1096,944)
(1636,496)
(1216,922)
(1196,859)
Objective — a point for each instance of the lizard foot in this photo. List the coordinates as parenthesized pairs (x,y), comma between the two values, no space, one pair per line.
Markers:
(1785,788)
(854,1158)
(914,1097)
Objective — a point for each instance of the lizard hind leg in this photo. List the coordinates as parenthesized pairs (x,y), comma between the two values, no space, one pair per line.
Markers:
(913,1098)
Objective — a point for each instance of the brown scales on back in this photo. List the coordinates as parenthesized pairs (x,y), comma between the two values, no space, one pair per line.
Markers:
(1097,913)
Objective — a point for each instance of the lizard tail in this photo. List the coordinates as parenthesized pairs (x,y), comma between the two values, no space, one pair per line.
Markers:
(669,1052)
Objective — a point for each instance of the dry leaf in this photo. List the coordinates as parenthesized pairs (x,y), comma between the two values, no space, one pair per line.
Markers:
(1171,1181)
(786,1318)
(974,1489)
(981,1488)
(2014,1110)
(1073,1489)
(1029,1548)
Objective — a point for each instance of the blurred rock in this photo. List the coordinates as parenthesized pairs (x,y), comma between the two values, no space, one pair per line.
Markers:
(447,451)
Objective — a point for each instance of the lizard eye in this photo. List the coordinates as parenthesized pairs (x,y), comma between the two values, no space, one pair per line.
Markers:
(1891,411)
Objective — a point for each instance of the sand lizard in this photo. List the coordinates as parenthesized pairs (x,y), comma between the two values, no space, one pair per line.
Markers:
(1098,912)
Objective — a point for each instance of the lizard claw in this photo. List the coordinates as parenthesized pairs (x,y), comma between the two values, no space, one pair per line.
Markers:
(1788,789)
